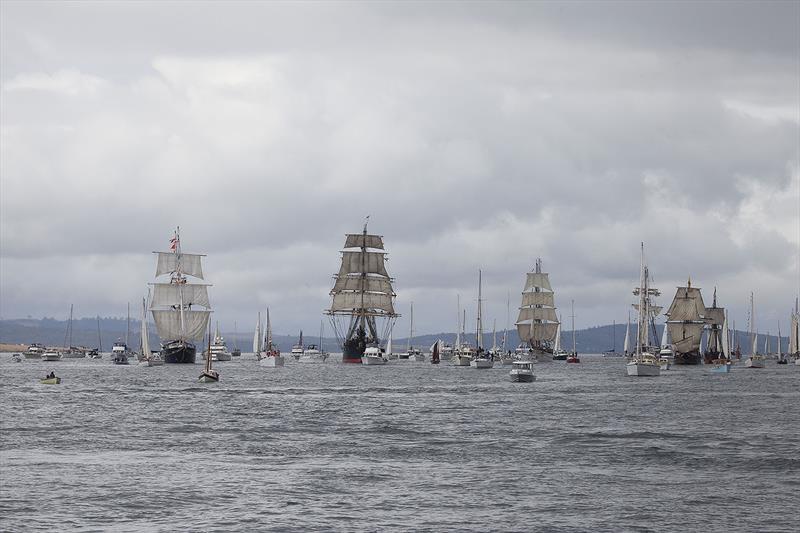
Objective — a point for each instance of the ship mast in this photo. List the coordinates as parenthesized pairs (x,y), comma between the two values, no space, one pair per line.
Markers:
(479,332)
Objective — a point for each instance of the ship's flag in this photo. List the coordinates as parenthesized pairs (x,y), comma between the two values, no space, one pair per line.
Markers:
(173,243)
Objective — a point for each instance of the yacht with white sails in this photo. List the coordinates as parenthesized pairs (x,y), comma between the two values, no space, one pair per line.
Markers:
(269,354)
(482,358)
(756,360)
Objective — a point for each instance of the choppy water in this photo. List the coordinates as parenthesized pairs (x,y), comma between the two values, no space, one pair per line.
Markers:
(407,446)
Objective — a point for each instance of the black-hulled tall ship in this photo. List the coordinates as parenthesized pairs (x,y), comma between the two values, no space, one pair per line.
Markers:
(686,321)
(537,323)
(717,335)
(362,296)
(180,309)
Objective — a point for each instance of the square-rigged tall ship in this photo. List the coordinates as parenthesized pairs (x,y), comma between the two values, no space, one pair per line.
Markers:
(362,296)
(174,303)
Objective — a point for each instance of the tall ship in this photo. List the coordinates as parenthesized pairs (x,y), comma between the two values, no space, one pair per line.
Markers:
(537,323)
(686,321)
(180,309)
(644,361)
(362,296)
(715,321)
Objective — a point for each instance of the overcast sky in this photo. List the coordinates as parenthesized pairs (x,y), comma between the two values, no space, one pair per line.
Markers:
(475,135)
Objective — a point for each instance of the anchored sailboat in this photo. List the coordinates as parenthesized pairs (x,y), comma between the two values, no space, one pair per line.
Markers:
(537,322)
(363,293)
(756,360)
(175,304)
(482,358)
(148,358)
(270,355)
(209,375)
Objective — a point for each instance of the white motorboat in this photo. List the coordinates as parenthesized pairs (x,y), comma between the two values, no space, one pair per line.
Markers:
(298,350)
(415,354)
(312,354)
(481,362)
(120,353)
(664,362)
(373,356)
(51,355)
(462,356)
(34,351)
(219,350)
(522,372)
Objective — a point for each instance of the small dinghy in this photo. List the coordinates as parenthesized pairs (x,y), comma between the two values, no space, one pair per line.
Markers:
(50,379)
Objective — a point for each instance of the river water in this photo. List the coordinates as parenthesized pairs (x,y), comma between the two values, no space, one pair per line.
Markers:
(403,447)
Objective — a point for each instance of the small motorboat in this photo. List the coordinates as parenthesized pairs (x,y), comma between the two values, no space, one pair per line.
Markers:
(721,366)
(373,356)
(573,358)
(522,372)
(481,361)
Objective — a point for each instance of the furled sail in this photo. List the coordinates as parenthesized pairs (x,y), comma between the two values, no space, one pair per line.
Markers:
(168,324)
(189,264)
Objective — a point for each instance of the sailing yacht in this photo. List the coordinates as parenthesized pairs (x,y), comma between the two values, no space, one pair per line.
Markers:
(756,360)
(314,353)
(236,352)
(482,358)
(722,365)
(175,303)
(794,335)
(573,357)
(435,351)
(270,355)
(413,354)
(462,352)
(537,322)
(209,375)
(148,358)
(666,356)
(644,362)
(559,353)
(71,352)
(362,295)
(257,337)
(626,345)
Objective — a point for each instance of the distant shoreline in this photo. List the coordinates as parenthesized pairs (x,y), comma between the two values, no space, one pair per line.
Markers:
(13,347)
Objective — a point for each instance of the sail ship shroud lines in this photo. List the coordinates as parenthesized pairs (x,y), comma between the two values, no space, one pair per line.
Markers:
(686,321)
(537,323)
(362,295)
(181,310)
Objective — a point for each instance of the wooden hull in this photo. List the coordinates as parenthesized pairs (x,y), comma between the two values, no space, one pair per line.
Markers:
(209,377)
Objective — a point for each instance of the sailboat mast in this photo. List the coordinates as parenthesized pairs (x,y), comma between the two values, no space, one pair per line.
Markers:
(411,330)
(479,333)
(128,331)
(574,351)
(99,340)
(508,318)
(458,321)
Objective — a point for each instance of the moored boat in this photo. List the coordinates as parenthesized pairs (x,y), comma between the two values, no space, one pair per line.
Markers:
(208,375)
(51,355)
(756,360)
(298,349)
(270,355)
(34,351)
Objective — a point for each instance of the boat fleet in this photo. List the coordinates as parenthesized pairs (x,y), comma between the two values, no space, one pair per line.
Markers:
(363,316)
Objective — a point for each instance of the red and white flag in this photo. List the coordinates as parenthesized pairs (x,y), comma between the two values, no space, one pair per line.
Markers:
(173,243)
